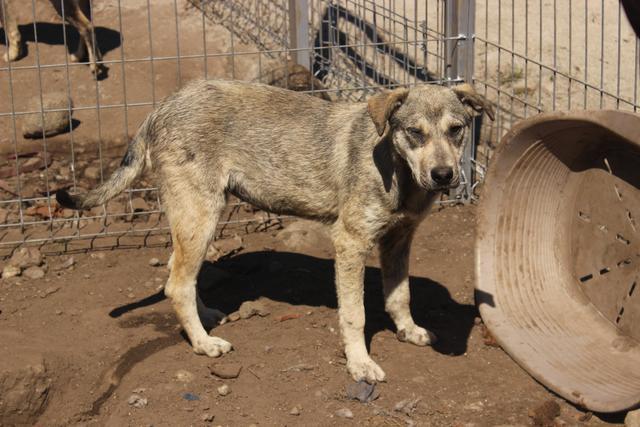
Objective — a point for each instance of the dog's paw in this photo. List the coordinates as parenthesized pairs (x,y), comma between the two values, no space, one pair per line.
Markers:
(365,369)
(12,54)
(417,335)
(212,346)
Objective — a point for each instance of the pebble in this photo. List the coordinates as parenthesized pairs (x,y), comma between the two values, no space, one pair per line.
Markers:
(68,263)
(407,406)
(50,290)
(207,418)
(234,317)
(226,370)
(184,376)
(49,123)
(295,410)
(154,262)
(92,172)
(10,271)
(344,413)
(190,396)
(33,273)
(26,257)
(224,389)
(137,401)
(251,308)
(545,413)
(362,391)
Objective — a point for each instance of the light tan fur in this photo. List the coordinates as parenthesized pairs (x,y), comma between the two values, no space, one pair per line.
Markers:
(75,12)
(370,170)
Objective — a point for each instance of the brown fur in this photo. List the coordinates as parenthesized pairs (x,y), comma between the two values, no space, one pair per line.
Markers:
(370,170)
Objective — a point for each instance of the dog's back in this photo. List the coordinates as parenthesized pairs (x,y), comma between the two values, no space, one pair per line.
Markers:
(282,151)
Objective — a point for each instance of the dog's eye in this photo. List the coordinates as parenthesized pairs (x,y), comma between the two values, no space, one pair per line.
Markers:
(455,130)
(414,132)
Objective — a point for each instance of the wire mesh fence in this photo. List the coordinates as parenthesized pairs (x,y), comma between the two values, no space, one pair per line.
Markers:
(526,56)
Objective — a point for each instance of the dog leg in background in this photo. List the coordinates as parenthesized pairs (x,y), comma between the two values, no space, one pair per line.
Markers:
(193,217)
(394,260)
(351,254)
(77,13)
(15,47)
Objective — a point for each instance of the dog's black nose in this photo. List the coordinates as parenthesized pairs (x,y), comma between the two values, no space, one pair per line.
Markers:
(442,175)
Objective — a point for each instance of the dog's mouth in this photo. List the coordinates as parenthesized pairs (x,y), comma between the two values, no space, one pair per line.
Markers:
(429,185)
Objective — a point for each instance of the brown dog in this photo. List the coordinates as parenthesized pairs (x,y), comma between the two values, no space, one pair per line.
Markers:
(75,12)
(370,170)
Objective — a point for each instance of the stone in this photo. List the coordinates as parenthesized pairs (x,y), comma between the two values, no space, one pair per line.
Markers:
(234,317)
(10,271)
(49,123)
(407,406)
(137,401)
(296,410)
(251,308)
(26,257)
(362,391)
(68,263)
(224,247)
(33,273)
(344,413)
(154,262)
(225,370)
(632,419)
(224,390)
(207,418)
(24,384)
(184,376)
(545,413)
(92,172)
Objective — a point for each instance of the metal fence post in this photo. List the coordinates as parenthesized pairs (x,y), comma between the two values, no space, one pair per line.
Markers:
(299,31)
(459,55)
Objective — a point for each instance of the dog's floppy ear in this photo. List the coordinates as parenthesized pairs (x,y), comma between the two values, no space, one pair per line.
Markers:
(474,102)
(382,105)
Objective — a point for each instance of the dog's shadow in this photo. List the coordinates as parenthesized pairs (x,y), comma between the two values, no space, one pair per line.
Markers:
(57,34)
(306,280)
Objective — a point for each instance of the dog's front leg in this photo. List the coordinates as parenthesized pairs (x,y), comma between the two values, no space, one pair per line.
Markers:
(351,253)
(394,260)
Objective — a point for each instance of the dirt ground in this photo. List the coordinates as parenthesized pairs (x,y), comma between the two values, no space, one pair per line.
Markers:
(105,331)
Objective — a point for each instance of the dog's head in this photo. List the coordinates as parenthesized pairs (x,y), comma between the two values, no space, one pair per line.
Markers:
(428,126)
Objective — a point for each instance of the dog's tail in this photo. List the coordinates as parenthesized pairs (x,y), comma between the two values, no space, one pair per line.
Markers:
(130,168)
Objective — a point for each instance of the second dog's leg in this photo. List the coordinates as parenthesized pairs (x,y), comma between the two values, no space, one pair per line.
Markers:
(193,223)
(14,38)
(75,15)
(394,260)
(351,253)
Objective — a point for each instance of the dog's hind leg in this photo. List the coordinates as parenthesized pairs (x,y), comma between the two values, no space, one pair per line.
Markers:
(77,13)
(15,48)
(394,260)
(193,217)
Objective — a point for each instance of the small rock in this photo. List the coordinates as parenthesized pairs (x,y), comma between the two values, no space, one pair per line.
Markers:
(207,418)
(154,262)
(225,370)
(344,413)
(92,172)
(190,397)
(224,247)
(295,410)
(234,317)
(251,308)
(224,390)
(98,255)
(407,406)
(137,401)
(299,368)
(70,262)
(26,257)
(184,376)
(33,273)
(50,290)
(10,271)
(545,413)
(632,419)
(362,391)
(59,312)
(50,123)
